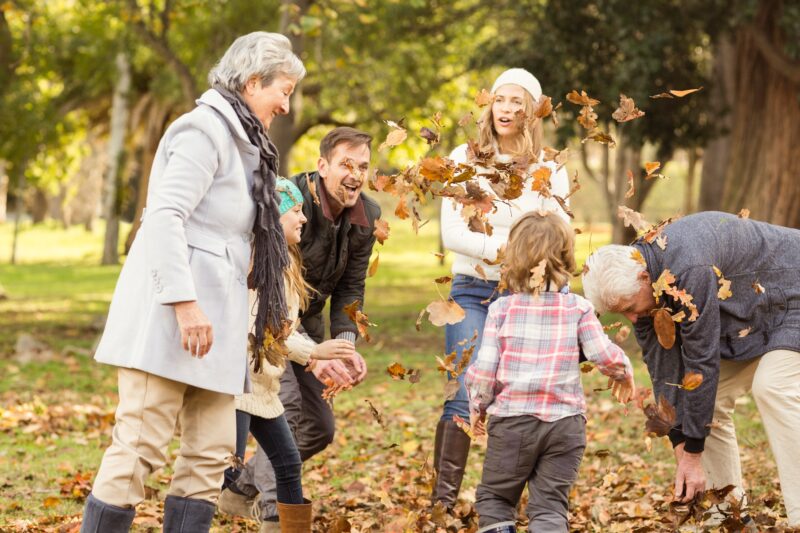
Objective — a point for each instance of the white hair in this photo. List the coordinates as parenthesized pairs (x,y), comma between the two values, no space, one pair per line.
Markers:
(612,275)
(260,54)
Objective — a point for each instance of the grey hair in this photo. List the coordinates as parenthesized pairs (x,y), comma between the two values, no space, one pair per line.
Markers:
(260,54)
(612,276)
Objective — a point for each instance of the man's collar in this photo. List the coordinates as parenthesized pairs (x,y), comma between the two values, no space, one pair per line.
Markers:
(357,214)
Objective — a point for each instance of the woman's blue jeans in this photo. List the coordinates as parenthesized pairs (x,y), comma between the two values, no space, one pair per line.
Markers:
(276,439)
(474,295)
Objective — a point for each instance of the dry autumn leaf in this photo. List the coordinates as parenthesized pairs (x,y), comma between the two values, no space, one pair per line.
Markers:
(430,136)
(373,267)
(660,417)
(724,285)
(677,93)
(745,332)
(627,110)
(397,371)
(540,181)
(544,106)
(661,241)
(581,99)
(650,167)
(537,276)
(395,137)
(312,188)
(381,230)
(360,319)
(484,98)
(376,414)
(636,255)
(481,272)
(587,118)
(443,279)
(631,189)
(622,334)
(632,218)
(443,312)
(692,380)
(601,137)
(665,328)
(663,283)
(744,213)
(758,288)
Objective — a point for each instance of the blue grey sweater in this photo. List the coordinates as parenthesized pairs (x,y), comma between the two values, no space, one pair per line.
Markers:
(746,252)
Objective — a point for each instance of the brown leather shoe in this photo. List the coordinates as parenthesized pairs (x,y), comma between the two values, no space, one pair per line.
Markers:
(295,518)
(451,449)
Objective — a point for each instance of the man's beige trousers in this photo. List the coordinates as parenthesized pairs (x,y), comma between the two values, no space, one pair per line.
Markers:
(149,407)
(774,380)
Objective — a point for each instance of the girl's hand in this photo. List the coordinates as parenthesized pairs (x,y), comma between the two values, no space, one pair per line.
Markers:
(625,389)
(477,425)
(333,349)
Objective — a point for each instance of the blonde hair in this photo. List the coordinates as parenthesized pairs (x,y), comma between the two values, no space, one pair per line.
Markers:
(294,277)
(529,140)
(535,237)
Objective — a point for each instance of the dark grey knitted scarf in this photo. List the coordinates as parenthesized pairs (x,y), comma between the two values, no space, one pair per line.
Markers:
(270,253)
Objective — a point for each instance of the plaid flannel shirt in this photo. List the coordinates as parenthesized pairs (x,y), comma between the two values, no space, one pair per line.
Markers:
(528,359)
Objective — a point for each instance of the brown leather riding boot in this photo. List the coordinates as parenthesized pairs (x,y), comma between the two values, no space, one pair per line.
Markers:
(451,448)
(295,518)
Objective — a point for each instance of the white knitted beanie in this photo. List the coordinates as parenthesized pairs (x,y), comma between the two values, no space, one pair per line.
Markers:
(521,77)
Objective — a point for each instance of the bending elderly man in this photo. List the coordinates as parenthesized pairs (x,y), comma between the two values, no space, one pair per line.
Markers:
(743,341)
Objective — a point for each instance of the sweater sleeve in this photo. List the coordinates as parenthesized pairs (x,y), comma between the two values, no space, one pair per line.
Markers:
(300,347)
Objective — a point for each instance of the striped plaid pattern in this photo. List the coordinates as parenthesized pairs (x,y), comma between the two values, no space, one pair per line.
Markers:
(528,360)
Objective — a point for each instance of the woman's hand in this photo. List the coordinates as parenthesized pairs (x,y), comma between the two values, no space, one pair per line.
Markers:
(197,335)
(333,349)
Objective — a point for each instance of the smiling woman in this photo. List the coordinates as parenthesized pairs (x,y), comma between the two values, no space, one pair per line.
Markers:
(177,326)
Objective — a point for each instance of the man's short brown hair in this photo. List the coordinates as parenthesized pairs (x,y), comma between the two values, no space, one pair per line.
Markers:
(346,135)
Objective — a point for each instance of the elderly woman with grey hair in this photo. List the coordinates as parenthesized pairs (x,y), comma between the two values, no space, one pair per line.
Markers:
(732,288)
(177,326)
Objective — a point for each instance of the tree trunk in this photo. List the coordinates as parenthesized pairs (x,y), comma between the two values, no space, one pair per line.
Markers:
(691,174)
(154,126)
(3,190)
(116,153)
(19,189)
(717,152)
(284,128)
(761,170)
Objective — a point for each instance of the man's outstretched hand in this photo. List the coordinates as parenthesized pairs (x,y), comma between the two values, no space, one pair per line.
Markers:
(690,478)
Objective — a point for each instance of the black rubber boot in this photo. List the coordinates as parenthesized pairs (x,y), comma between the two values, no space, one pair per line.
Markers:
(187,515)
(100,517)
(452,445)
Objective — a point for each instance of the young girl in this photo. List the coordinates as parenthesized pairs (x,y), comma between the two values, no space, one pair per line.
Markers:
(510,130)
(260,411)
(527,376)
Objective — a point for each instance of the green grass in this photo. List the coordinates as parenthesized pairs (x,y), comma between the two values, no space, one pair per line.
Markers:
(55,413)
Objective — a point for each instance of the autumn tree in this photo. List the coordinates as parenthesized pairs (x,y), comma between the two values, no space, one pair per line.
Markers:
(753,163)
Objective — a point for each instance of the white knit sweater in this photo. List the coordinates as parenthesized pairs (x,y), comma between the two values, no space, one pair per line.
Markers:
(469,247)
(263,401)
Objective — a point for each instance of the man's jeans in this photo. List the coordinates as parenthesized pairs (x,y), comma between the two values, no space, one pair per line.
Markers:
(312,423)
(474,295)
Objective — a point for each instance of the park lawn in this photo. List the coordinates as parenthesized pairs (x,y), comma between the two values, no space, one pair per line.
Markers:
(56,413)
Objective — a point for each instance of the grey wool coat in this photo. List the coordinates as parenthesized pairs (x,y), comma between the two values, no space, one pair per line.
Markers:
(747,253)
(194,244)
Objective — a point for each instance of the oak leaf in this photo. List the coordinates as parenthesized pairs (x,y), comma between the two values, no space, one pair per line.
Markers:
(443,312)
(632,218)
(581,99)
(660,417)
(397,371)
(541,180)
(395,137)
(484,98)
(631,189)
(745,332)
(544,106)
(677,93)
(691,380)
(758,288)
(744,213)
(637,256)
(601,137)
(663,283)
(587,118)
(622,334)
(627,110)
(359,318)
(537,276)
(381,230)
(312,188)
(429,135)
(373,267)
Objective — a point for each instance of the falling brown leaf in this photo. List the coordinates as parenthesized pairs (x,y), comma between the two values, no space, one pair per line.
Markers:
(541,181)
(418,323)
(724,285)
(679,316)
(376,414)
(611,327)
(587,118)
(627,110)
(622,334)
(632,218)
(636,255)
(466,119)
(745,332)
(675,93)
(692,380)
(397,371)
(544,106)
(537,276)
(663,283)
(429,135)
(312,188)
(413,375)
(631,190)
(401,211)
(650,167)
(758,288)
(360,319)
(463,426)
(665,328)
(443,312)
(373,267)
(559,157)
(443,279)
(586,367)
(381,230)
(581,99)
(660,417)
(484,98)
(744,213)
(481,272)
(395,137)
(601,137)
